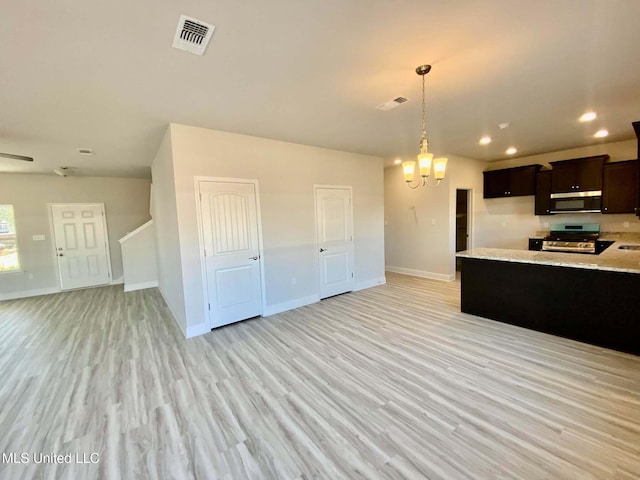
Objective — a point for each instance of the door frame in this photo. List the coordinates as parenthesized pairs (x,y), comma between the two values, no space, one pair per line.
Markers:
(52,234)
(203,267)
(452,225)
(315,227)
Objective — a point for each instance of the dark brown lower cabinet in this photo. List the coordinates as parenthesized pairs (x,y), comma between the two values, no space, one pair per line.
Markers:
(592,306)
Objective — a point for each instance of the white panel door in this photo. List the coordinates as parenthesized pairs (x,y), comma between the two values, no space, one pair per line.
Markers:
(232,251)
(334,226)
(81,245)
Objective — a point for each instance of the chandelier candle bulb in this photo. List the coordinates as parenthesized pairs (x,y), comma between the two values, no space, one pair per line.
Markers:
(424,161)
(439,167)
(408,169)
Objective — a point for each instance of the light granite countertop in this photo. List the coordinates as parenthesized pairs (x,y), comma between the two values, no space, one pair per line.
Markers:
(612,259)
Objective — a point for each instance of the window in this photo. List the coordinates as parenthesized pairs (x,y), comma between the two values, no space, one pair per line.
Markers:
(8,243)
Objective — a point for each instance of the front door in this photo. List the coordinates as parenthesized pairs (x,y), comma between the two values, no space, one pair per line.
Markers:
(334,226)
(231,251)
(82,253)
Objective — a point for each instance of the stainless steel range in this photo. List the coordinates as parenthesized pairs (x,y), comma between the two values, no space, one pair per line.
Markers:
(576,238)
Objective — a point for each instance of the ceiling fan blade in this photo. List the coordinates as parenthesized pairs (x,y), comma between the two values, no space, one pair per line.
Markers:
(16,157)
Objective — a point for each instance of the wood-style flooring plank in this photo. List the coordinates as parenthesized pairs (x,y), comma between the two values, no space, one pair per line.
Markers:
(392,382)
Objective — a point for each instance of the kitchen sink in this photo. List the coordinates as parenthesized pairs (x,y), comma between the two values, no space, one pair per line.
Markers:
(629,247)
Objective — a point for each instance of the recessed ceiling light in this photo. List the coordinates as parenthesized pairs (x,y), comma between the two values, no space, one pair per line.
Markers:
(601,133)
(504,125)
(85,151)
(397,161)
(511,150)
(486,140)
(587,117)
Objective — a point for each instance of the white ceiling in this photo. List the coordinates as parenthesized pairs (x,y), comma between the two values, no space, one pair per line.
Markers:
(103,75)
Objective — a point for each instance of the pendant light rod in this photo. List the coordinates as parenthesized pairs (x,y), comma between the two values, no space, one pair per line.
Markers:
(425,159)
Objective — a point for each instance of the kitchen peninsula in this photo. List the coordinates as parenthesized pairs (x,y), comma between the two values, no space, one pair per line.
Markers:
(589,298)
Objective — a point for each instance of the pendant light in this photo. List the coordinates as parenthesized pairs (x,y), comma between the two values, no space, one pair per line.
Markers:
(425,159)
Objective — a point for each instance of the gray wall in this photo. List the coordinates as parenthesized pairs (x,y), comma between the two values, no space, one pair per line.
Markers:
(423,243)
(286,173)
(165,219)
(126,204)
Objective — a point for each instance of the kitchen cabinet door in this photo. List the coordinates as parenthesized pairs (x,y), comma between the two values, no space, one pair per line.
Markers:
(543,193)
(522,180)
(510,182)
(563,178)
(589,175)
(577,175)
(620,187)
(496,183)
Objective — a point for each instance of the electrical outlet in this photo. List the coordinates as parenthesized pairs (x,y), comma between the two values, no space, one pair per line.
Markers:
(294,280)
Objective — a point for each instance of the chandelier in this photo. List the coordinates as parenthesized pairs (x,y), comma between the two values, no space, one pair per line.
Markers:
(425,159)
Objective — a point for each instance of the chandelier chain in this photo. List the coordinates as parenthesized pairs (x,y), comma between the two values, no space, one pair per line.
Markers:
(424,113)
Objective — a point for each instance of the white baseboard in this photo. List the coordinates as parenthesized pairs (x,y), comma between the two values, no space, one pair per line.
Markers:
(173,314)
(374,282)
(140,286)
(29,293)
(283,307)
(195,330)
(421,273)
(117,281)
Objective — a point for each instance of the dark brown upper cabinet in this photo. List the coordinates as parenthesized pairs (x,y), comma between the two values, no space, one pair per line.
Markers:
(543,193)
(620,187)
(578,175)
(510,182)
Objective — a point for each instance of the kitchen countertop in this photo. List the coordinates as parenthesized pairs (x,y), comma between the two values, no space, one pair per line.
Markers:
(612,259)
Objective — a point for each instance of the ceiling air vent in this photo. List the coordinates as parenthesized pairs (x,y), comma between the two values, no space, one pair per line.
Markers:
(192,35)
(385,107)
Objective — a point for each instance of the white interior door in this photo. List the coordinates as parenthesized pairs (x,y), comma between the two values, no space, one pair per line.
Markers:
(82,253)
(232,251)
(334,226)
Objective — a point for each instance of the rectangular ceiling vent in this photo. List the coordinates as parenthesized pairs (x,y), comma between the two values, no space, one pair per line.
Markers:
(391,104)
(192,35)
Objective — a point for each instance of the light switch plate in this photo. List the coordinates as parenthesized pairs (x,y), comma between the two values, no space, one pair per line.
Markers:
(38,238)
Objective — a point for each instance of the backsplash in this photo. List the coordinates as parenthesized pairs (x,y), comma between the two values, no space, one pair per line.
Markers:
(627,223)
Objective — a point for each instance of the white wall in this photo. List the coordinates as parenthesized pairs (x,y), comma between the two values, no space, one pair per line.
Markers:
(416,227)
(139,258)
(286,174)
(165,219)
(618,151)
(422,241)
(520,222)
(420,224)
(126,206)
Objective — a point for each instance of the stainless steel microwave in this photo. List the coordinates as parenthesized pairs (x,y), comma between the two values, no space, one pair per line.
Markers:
(577,202)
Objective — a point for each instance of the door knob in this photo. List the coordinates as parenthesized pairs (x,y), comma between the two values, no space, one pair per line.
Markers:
(61,254)
(255,257)
(323,250)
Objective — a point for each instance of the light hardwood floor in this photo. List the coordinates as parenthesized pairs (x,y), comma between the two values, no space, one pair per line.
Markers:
(391,382)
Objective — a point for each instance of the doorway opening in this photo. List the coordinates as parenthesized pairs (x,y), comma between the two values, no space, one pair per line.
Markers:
(463,198)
